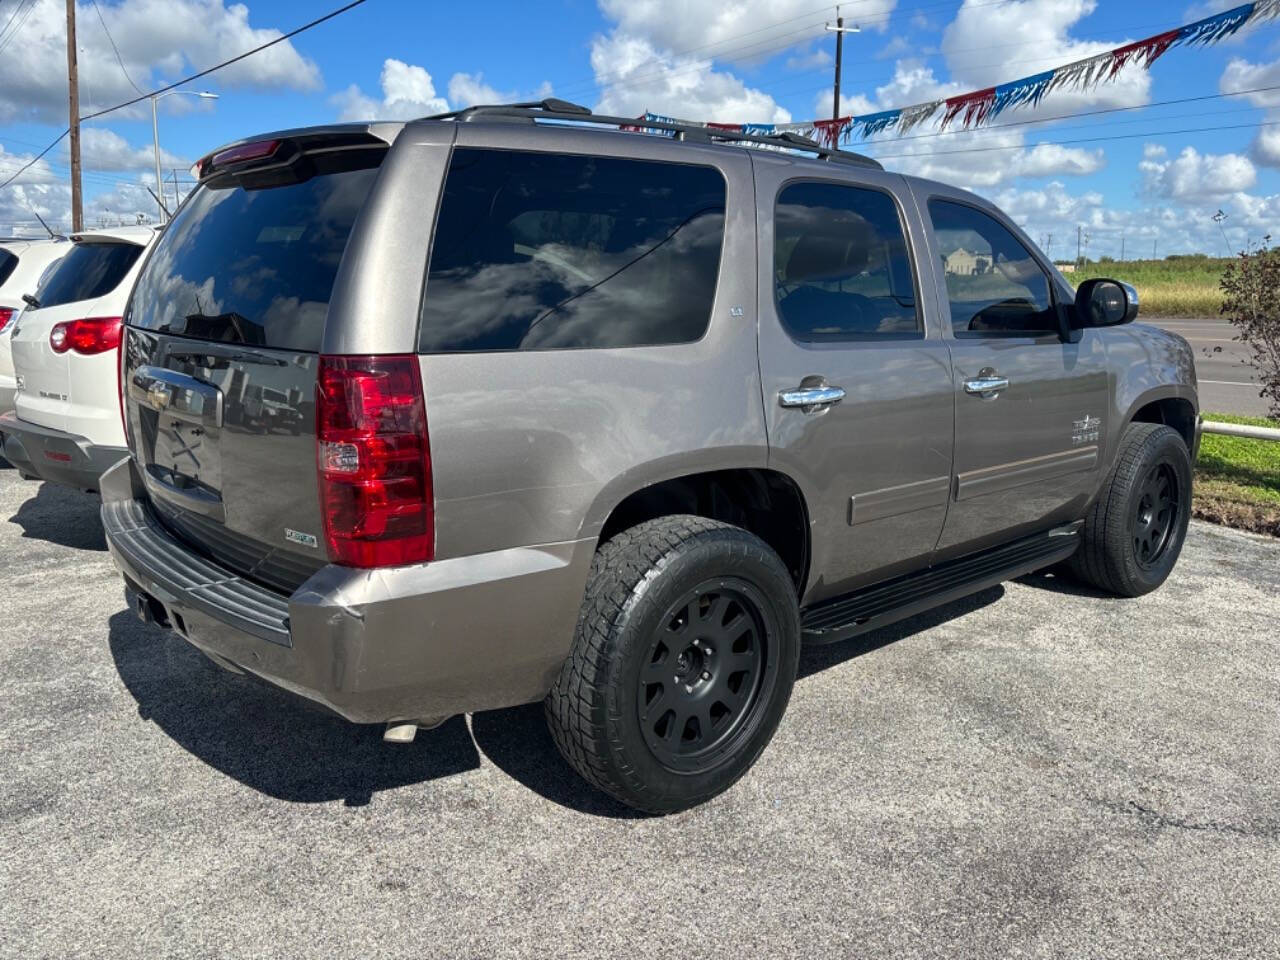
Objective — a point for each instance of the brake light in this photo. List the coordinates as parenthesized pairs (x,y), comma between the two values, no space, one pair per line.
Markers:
(6,317)
(374,461)
(89,336)
(258,150)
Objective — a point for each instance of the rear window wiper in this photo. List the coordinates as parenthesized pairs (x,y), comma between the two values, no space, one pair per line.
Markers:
(31,301)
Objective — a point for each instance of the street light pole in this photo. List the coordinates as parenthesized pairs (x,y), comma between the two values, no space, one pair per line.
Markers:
(155,134)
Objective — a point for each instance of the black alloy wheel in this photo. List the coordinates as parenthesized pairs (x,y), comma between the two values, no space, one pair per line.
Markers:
(1155,515)
(703,674)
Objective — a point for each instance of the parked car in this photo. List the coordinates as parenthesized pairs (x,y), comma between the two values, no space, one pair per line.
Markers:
(615,420)
(22,263)
(66,425)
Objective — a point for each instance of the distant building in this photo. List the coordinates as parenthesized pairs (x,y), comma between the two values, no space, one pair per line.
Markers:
(962,263)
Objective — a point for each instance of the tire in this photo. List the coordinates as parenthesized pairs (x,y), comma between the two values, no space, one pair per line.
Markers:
(702,602)
(1132,537)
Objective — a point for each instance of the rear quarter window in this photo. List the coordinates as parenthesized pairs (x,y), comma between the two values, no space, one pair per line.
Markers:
(8,264)
(255,266)
(539,251)
(92,269)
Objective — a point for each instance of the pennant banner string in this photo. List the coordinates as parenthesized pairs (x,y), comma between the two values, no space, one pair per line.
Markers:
(978,108)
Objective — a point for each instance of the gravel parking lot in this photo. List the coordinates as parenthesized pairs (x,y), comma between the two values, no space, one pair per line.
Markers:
(1037,771)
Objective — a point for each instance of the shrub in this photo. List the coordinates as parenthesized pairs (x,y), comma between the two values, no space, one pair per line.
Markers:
(1251,301)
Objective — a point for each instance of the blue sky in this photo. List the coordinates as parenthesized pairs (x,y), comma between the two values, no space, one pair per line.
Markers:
(766,60)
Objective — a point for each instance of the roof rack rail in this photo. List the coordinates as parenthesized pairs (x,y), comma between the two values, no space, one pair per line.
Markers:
(563,110)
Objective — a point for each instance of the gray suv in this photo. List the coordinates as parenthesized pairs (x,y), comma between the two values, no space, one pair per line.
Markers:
(614,418)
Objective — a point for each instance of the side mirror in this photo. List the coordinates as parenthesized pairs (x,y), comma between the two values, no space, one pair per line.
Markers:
(1105,303)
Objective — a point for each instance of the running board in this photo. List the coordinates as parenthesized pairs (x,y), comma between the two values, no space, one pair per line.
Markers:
(893,600)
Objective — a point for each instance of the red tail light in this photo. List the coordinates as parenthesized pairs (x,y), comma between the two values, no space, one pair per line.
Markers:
(89,336)
(6,317)
(374,461)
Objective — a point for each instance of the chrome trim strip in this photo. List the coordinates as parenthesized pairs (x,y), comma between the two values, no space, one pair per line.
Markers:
(1006,476)
(895,501)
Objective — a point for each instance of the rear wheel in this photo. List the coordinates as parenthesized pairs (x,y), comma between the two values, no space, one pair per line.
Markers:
(1134,532)
(683,662)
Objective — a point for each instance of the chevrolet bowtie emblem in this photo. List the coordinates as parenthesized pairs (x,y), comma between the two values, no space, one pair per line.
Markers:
(158,396)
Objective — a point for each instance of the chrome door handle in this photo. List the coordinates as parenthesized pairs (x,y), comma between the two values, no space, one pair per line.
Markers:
(811,399)
(986,387)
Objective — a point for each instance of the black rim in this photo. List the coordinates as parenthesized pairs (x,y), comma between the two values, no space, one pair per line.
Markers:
(702,676)
(1156,515)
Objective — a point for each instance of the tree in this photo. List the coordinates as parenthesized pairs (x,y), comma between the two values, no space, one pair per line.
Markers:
(1251,301)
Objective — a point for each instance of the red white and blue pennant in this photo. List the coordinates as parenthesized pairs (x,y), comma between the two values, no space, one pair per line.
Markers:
(980,107)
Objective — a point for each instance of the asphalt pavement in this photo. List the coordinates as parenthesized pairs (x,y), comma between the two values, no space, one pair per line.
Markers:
(1037,771)
(1228,381)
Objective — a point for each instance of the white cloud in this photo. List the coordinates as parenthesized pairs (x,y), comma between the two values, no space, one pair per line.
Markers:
(1241,75)
(736,31)
(192,34)
(467,89)
(1032,36)
(102,149)
(635,76)
(986,158)
(409,92)
(1160,228)
(1195,176)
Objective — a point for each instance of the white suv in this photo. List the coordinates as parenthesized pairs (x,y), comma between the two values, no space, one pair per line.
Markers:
(66,424)
(22,264)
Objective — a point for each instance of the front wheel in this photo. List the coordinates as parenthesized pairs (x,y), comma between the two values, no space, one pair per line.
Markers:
(1134,532)
(682,664)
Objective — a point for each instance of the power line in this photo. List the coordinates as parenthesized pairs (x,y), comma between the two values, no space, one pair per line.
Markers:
(225,63)
(114,48)
(7,35)
(186,80)
(1063,143)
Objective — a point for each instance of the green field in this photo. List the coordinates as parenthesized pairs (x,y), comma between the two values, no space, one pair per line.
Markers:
(1167,288)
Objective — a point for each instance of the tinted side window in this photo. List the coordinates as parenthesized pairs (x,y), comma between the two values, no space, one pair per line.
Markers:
(538,251)
(90,270)
(8,263)
(994,284)
(842,269)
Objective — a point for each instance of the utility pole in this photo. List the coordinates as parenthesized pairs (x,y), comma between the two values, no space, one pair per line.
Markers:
(1155,245)
(73,82)
(839,30)
(1122,248)
(835,109)
(1079,241)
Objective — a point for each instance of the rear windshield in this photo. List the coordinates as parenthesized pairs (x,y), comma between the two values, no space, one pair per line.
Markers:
(8,263)
(91,270)
(537,251)
(254,266)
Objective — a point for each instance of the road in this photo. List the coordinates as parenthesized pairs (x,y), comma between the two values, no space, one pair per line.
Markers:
(1227,383)
(1037,771)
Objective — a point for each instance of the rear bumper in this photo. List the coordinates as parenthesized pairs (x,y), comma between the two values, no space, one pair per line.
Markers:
(472,633)
(55,454)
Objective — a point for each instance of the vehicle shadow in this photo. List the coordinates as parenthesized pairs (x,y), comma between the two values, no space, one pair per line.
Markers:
(63,516)
(268,739)
(518,743)
(815,659)
(290,749)
(1057,582)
